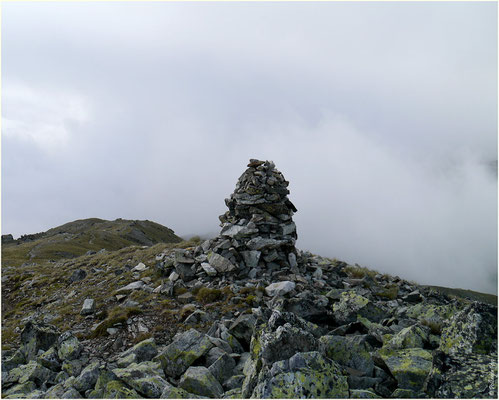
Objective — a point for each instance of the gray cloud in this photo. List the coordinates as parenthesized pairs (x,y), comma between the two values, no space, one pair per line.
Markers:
(381,116)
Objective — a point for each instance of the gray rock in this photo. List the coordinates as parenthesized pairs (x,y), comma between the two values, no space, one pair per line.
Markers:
(32,371)
(69,347)
(145,378)
(350,351)
(472,330)
(185,271)
(210,271)
(242,328)
(280,288)
(132,286)
(410,367)
(87,378)
(77,276)
(139,267)
(222,368)
(200,381)
(220,263)
(142,351)
(305,375)
(352,304)
(88,307)
(251,257)
(183,351)
(197,317)
(234,382)
(37,336)
(213,355)
(50,360)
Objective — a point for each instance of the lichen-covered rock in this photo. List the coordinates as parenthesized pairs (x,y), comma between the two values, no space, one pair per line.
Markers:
(242,327)
(351,351)
(87,378)
(222,368)
(305,375)
(463,376)
(410,367)
(182,352)
(407,394)
(32,371)
(200,381)
(352,304)
(472,330)
(410,337)
(145,378)
(69,347)
(363,394)
(233,394)
(37,336)
(119,390)
(73,367)
(234,382)
(50,360)
(142,351)
(283,343)
(20,389)
(18,358)
(172,392)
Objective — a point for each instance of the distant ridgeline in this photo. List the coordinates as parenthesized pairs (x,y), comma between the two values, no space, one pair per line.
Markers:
(81,236)
(242,315)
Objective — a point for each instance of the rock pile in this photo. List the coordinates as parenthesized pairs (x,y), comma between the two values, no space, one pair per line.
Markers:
(261,319)
(258,233)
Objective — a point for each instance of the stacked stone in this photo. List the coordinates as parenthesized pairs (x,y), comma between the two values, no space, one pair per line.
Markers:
(258,233)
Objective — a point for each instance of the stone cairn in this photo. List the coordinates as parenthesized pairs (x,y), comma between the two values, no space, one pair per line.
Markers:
(258,233)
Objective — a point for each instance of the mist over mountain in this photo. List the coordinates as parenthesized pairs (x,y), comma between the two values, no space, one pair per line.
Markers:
(384,129)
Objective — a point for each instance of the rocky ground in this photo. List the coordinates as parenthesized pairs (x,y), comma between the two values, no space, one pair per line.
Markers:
(247,315)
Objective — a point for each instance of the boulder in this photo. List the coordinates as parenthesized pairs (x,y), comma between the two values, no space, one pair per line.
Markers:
(200,381)
(410,367)
(220,263)
(145,378)
(242,328)
(77,275)
(142,351)
(88,307)
(304,375)
(472,330)
(280,288)
(183,351)
(222,368)
(87,378)
(50,360)
(69,347)
(353,304)
(351,351)
(37,336)
(32,372)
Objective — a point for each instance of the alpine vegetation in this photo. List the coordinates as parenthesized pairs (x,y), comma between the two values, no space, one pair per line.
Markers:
(243,315)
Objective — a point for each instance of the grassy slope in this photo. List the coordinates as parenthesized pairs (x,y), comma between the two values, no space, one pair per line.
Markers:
(467,294)
(76,238)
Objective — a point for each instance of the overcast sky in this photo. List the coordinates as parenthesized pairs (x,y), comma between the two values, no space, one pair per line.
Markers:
(383,116)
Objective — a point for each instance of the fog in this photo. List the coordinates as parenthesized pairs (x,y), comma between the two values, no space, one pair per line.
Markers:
(383,117)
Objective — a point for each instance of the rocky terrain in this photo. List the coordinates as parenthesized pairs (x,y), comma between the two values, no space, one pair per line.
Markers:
(245,314)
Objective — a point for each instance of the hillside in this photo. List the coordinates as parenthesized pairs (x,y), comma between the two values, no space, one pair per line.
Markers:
(244,314)
(86,235)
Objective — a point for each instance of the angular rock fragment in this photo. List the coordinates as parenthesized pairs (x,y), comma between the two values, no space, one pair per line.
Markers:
(183,351)
(200,381)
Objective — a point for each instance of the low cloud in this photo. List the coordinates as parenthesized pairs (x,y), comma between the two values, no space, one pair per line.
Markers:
(150,111)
